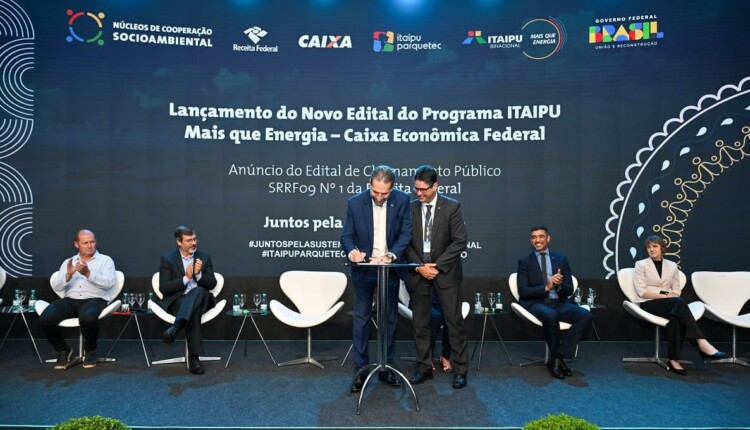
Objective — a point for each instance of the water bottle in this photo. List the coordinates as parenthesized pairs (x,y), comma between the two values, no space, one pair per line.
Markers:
(263,304)
(17,300)
(590,298)
(125,306)
(499,302)
(236,304)
(32,299)
(478,303)
(577,296)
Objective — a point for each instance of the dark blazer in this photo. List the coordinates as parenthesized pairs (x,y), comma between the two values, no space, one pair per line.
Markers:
(531,284)
(448,242)
(358,227)
(171,273)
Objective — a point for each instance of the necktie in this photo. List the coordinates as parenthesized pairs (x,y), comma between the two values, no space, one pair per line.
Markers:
(428,224)
(427,235)
(544,266)
(545,276)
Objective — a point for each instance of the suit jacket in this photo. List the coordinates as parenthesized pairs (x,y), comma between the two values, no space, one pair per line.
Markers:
(531,283)
(358,227)
(448,242)
(646,278)
(171,272)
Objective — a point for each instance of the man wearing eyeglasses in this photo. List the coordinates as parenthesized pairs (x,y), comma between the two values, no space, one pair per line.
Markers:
(186,277)
(438,239)
(377,230)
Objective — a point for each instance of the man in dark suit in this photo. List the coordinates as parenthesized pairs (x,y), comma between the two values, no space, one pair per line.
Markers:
(438,239)
(377,230)
(544,287)
(186,277)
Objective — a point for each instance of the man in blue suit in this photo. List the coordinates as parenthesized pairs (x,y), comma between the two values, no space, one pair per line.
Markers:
(377,230)
(544,287)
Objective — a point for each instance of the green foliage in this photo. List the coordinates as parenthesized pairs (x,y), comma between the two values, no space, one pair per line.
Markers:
(560,422)
(91,423)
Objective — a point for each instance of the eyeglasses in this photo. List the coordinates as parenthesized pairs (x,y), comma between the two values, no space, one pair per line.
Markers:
(422,190)
(191,240)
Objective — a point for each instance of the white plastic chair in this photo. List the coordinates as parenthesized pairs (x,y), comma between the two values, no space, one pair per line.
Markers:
(113,305)
(528,316)
(2,281)
(315,295)
(724,294)
(625,279)
(169,318)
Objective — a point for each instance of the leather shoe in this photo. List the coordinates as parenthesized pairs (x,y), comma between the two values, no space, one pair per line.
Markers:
(359,381)
(567,371)
(169,335)
(420,377)
(715,356)
(459,381)
(555,368)
(194,365)
(389,378)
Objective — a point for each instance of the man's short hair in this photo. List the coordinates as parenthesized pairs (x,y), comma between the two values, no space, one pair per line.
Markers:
(183,231)
(426,174)
(83,231)
(383,173)
(538,227)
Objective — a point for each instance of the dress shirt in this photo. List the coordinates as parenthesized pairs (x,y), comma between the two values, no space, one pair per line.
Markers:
(548,263)
(97,285)
(379,243)
(189,285)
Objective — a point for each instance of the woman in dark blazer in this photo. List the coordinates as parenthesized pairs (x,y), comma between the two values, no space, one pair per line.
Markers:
(657,286)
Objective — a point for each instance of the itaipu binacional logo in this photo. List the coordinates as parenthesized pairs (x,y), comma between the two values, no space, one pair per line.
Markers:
(92,27)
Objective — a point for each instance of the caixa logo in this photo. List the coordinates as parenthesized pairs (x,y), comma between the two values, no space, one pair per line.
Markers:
(316,41)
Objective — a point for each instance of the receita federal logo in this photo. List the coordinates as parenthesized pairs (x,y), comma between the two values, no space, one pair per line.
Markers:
(388,41)
(255,34)
(82,31)
(325,41)
(634,31)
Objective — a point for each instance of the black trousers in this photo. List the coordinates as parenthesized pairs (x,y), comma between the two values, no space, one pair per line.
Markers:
(562,343)
(450,304)
(87,311)
(187,311)
(681,325)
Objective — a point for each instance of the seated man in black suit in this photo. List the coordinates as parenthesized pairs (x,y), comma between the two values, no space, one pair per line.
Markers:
(186,277)
(544,287)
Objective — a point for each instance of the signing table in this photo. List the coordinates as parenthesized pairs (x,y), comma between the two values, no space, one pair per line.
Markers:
(382,316)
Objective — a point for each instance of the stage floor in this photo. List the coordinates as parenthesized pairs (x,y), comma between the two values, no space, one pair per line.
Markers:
(253,392)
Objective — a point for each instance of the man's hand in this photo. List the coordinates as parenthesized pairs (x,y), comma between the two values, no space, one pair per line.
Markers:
(429,271)
(356,256)
(83,269)
(198,266)
(71,269)
(554,281)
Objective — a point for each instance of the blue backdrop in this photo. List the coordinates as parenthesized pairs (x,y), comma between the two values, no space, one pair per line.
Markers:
(254,121)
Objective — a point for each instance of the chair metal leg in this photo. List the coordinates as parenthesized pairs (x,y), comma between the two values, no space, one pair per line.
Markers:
(309,359)
(184,359)
(655,358)
(733,359)
(537,361)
